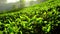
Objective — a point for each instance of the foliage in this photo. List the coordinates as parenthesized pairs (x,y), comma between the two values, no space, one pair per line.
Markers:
(37,19)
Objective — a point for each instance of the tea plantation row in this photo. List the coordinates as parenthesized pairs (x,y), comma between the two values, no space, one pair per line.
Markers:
(37,19)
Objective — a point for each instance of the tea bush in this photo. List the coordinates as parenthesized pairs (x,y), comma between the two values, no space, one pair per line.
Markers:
(37,19)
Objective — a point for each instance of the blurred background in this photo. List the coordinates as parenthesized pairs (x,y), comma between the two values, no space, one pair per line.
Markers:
(11,4)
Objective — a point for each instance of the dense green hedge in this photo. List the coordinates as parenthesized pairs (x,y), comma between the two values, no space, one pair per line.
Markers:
(37,19)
